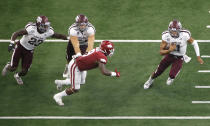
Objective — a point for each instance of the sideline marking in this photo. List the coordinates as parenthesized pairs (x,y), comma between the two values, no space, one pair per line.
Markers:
(105,117)
(58,40)
(202,86)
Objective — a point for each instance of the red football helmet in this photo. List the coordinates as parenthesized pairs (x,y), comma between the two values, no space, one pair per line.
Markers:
(81,21)
(174,28)
(107,48)
(42,24)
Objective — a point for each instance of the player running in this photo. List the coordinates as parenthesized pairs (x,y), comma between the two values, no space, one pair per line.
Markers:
(174,47)
(95,58)
(32,36)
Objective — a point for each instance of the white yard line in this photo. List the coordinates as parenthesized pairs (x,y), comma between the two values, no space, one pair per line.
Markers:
(58,40)
(205,56)
(204,71)
(106,117)
(202,86)
(201,102)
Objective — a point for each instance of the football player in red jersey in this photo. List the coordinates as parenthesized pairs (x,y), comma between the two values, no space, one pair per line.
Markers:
(32,36)
(95,58)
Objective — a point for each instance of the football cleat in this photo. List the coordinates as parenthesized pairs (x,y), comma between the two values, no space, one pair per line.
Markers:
(5,70)
(148,83)
(18,79)
(169,81)
(59,84)
(58,100)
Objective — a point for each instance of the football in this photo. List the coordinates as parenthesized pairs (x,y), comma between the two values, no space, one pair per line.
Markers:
(167,47)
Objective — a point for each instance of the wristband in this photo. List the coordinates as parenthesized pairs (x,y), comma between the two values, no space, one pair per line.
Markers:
(13,42)
(113,74)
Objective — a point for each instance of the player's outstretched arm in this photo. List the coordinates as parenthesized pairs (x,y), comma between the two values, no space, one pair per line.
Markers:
(59,36)
(91,40)
(196,48)
(18,33)
(106,72)
(14,37)
(75,43)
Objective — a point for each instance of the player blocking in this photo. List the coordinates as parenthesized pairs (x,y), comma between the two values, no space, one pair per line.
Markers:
(82,37)
(95,58)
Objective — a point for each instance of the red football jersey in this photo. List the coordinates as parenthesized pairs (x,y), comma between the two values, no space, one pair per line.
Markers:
(90,61)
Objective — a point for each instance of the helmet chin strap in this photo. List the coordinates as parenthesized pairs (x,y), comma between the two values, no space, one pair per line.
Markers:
(174,36)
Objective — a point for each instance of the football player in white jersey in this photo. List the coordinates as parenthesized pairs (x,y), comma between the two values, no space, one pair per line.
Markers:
(32,35)
(82,37)
(173,47)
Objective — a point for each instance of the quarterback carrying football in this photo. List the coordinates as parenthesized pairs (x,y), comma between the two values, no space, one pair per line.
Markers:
(174,47)
(32,36)
(95,58)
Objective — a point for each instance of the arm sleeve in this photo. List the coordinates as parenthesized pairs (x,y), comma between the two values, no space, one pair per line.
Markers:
(72,32)
(29,29)
(196,48)
(102,59)
(164,37)
(91,31)
(51,31)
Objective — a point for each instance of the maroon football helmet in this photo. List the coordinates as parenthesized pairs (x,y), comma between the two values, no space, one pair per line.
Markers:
(81,21)
(174,28)
(42,24)
(107,48)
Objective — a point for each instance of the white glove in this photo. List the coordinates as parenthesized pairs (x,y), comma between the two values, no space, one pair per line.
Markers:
(76,55)
(187,58)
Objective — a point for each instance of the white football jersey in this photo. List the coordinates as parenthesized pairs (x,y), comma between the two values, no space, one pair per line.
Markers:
(34,38)
(82,35)
(181,41)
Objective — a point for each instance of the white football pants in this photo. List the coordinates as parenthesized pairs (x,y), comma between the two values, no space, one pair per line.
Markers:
(77,77)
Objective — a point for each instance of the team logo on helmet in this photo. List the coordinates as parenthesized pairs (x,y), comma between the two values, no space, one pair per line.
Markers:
(81,21)
(107,48)
(174,28)
(42,24)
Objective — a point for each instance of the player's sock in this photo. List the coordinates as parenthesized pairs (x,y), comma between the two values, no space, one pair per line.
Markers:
(58,97)
(63,93)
